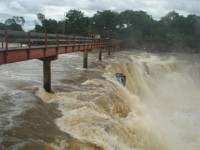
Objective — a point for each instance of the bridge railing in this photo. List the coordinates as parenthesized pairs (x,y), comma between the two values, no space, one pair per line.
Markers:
(10,39)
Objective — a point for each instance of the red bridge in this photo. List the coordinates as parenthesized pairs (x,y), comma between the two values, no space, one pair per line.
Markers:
(20,46)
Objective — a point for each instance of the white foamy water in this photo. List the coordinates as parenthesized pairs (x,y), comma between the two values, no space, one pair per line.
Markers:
(14,98)
(159,109)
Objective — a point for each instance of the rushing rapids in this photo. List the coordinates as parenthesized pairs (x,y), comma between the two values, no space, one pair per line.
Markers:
(157,109)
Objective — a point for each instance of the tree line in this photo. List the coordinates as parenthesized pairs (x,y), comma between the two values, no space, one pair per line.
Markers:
(136,29)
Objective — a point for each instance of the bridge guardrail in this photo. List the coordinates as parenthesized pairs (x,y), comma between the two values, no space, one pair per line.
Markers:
(29,39)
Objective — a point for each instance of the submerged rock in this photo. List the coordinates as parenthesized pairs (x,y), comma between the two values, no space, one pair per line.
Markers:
(121,78)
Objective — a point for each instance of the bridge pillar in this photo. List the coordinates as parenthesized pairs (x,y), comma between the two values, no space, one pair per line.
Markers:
(109,49)
(85,58)
(100,54)
(47,72)
(117,47)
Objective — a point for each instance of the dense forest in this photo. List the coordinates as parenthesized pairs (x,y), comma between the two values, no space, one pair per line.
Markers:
(137,29)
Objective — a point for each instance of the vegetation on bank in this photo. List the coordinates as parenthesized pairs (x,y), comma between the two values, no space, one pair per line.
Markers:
(137,29)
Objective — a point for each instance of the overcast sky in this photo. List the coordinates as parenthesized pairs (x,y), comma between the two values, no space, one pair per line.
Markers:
(55,9)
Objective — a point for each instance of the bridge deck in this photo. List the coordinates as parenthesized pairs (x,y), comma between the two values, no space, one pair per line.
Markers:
(41,45)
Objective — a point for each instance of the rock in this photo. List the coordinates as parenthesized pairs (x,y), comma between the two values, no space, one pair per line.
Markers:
(121,78)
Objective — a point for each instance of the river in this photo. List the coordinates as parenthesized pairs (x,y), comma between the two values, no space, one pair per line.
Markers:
(157,109)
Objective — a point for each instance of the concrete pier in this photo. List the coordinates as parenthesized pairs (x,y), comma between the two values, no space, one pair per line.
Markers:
(47,72)
(100,54)
(85,58)
(109,50)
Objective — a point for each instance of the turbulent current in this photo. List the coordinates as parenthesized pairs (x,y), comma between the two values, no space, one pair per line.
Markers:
(157,109)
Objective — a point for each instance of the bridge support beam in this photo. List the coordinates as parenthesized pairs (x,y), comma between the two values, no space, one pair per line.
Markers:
(47,72)
(85,58)
(100,54)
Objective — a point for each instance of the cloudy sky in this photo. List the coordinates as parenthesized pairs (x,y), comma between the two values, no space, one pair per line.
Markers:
(55,9)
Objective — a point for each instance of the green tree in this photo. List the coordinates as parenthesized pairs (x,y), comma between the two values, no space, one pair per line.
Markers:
(10,21)
(134,26)
(15,23)
(41,17)
(175,26)
(2,26)
(38,28)
(19,20)
(42,27)
(47,25)
(192,31)
(51,25)
(104,23)
(14,27)
(61,27)
(76,22)
(15,20)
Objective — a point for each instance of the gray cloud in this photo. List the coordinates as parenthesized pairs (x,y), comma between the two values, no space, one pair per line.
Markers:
(56,9)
